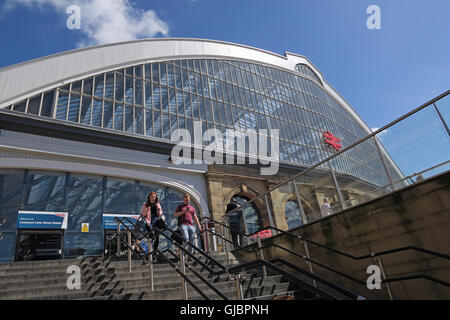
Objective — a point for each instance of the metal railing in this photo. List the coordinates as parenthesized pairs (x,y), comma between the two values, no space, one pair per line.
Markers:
(387,154)
(203,279)
(296,280)
(406,181)
(374,153)
(234,270)
(182,252)
(310,261)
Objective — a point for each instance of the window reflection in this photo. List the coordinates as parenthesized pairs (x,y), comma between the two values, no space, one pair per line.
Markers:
(7,245)
(84,197)
(228,93)
(250,214)
(45,191)
(119,192)
(84,201)
(293,216)
(78,244)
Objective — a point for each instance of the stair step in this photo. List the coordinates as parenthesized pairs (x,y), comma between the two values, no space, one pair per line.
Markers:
(110,279)
(62,267)
(173,293)
(282,296)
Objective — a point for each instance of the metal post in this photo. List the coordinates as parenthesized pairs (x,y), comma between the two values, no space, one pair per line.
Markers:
(129,250)
(391,181)
(261,255)
(300,205)
(228,237)
(150,262)
(245,241)
(442,119)
(383,273)
(222,233)
(118,239)
(269,212)
(237,280)
(227,252)
(222,240)
(219,239)
(214,239)
(205,236)
(338,189)
(183,271)
(305,245)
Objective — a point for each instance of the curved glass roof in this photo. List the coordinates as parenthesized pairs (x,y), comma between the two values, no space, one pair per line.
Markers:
(154,99)
(307,71)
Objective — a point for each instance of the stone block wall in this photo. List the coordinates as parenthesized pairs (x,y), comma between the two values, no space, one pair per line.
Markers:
(418,215)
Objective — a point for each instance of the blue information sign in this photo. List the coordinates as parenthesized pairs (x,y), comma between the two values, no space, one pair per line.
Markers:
(42,220)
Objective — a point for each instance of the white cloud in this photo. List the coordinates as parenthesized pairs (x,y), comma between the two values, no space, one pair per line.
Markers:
(104,21)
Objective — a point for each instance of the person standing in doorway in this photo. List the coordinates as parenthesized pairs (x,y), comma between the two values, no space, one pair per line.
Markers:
(325,208)
(186,217)
(235,220)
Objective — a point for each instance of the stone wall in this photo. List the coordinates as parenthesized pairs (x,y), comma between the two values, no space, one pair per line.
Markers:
(417,215)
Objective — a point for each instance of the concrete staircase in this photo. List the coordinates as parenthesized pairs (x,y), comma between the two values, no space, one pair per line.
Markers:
(109,279)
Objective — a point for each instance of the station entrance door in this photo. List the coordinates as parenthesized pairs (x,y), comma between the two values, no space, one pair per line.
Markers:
(39,245)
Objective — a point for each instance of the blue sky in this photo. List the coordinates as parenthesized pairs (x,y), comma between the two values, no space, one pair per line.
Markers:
(383,73)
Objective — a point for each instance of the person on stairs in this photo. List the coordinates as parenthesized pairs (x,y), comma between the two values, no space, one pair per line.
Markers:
(152,211)
(186,217)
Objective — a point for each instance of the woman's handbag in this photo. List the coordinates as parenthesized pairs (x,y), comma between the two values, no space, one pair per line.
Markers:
(177,236)
(160,224)
(140,226)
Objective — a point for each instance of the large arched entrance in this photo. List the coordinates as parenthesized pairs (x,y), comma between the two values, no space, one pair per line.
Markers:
(245,220)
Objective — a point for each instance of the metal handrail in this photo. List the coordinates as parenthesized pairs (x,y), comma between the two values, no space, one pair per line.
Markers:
(241,266)
(408,277)
(175,267)
(217,291)
(125,243)
(315,262)
(261,262)
(176,243)
(227,240)
(204,254)
(417,276)
(295,279)
(374,191)
(134,234)
(224,268)
(338,153)
(318,278)
(370,255)
(294,253)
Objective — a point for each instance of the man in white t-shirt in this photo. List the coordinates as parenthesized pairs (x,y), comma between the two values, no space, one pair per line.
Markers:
(325,209)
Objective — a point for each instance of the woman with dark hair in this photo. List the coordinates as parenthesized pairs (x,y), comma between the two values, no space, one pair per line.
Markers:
(151,211)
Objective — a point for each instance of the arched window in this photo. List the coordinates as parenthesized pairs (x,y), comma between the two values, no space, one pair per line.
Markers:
(293,216)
